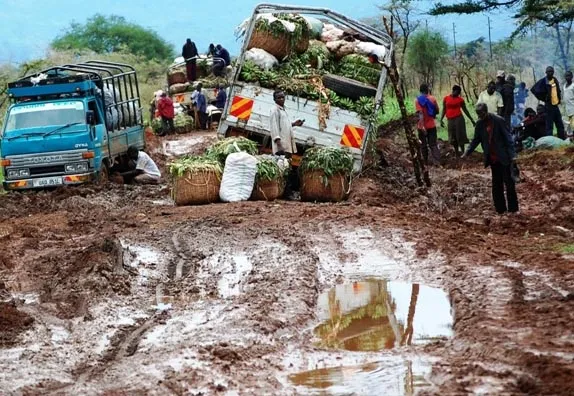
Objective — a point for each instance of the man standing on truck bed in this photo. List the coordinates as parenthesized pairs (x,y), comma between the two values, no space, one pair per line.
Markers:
(190,54)
(167,113)
(282,139)
(145,172)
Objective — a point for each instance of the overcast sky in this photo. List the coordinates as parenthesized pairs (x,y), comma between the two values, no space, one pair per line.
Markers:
(28,26)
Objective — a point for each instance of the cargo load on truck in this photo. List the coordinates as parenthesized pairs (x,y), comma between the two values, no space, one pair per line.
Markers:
(328,65)
(70,124)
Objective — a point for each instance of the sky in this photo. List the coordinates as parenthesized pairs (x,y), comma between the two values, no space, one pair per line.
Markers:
(28,26)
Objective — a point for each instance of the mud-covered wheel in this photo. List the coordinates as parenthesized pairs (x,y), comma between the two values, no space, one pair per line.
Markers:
(104,174)
(347,87)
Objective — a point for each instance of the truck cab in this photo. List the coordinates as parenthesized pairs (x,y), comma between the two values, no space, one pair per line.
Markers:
(69,124)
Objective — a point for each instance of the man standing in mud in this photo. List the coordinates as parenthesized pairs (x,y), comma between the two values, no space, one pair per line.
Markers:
(494,137)
(282,139)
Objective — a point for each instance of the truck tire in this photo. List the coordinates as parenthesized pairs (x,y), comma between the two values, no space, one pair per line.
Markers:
(104,174)
(347,87)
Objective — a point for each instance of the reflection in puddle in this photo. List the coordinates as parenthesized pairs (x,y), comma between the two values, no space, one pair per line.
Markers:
(377,378)
(378,314)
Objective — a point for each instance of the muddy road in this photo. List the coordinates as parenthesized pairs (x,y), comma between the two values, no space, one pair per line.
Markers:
(114,290)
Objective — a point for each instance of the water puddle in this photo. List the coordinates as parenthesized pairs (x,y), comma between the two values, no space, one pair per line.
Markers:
(176,148)
(376,378)
(374,315)
(229,284)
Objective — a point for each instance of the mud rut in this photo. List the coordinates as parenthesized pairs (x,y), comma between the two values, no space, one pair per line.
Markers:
(136,296)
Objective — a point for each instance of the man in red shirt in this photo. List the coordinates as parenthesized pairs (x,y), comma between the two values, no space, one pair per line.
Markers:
(491,132)
(427,110)
(166,112)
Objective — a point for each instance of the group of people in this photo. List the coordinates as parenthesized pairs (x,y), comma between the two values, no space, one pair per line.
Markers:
(220,57)
(495,107)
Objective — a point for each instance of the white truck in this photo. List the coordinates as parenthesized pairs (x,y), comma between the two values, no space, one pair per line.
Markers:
(248,107)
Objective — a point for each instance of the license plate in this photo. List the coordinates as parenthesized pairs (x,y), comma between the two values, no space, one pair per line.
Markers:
(48,182)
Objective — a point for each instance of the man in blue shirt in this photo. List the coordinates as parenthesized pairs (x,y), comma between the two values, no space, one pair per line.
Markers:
(201,106)
(221,97)
(221,61)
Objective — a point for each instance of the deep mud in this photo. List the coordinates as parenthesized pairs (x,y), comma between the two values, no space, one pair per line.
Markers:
(113,290)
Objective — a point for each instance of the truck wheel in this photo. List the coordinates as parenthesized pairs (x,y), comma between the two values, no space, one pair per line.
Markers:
(104,175)
(347,87)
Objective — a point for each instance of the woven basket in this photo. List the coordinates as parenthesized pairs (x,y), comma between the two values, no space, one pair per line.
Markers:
(197,188)
(176,77)
(178,88)
(268,190)
(279,46)
(314,188)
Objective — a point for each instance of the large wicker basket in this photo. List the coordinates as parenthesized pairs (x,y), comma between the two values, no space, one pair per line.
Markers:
(315,186)
(278,46)
(268,190)
(176,77)
(197,188)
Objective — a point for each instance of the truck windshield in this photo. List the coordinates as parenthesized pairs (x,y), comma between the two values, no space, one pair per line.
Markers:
(38,115)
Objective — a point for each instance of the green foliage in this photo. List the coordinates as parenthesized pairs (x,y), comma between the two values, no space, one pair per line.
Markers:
(358,68)
(530,12)
(566,249)
(427,49)
(194,164)
(221,149)
(330,160)
(269,170)
(277,29)
(391,110)
(106,34)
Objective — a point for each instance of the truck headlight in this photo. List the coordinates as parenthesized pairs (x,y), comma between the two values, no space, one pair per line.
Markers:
(24,172)
(77,167)
(12,174)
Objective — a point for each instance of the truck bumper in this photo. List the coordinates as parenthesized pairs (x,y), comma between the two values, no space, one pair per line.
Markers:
(45,182)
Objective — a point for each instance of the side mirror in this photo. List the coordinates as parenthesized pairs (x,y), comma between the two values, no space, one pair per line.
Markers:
(90,118)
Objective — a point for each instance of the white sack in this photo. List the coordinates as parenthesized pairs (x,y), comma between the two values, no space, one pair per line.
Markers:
(331,33)
(371,48)
(342,48)
(238,177)
(261,58)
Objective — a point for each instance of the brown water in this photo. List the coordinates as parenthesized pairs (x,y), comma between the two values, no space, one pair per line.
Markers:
(371,316)
(374,315)
(376,378)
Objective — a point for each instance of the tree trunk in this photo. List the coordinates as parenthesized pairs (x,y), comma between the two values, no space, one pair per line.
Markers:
(421,172)
(563,55)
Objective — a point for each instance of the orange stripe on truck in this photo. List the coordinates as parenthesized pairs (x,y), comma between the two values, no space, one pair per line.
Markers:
(241,107)
(352,136)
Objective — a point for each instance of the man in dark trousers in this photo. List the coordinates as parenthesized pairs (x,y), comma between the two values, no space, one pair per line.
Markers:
(548,90)
(499,153)
(167,113)
(189,53)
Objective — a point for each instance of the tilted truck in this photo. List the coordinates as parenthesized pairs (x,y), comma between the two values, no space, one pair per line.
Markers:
(247,111)
(69,124)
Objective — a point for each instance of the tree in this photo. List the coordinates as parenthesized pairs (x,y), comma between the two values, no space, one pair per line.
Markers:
(425,53)
(557,14)
(403,14)
(107,34)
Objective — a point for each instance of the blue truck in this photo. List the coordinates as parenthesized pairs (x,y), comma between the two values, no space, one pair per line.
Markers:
(70,124)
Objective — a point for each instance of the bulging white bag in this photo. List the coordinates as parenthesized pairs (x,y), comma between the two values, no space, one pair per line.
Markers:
(238,177)
(261,58)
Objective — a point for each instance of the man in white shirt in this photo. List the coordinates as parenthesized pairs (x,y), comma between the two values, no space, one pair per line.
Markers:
(145,172)
(568,99)
(492,99)
(281,127)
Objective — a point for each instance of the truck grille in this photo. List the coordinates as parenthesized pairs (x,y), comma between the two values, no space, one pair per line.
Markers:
(45,159)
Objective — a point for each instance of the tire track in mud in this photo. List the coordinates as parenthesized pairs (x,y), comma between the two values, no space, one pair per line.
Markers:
(123,344)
